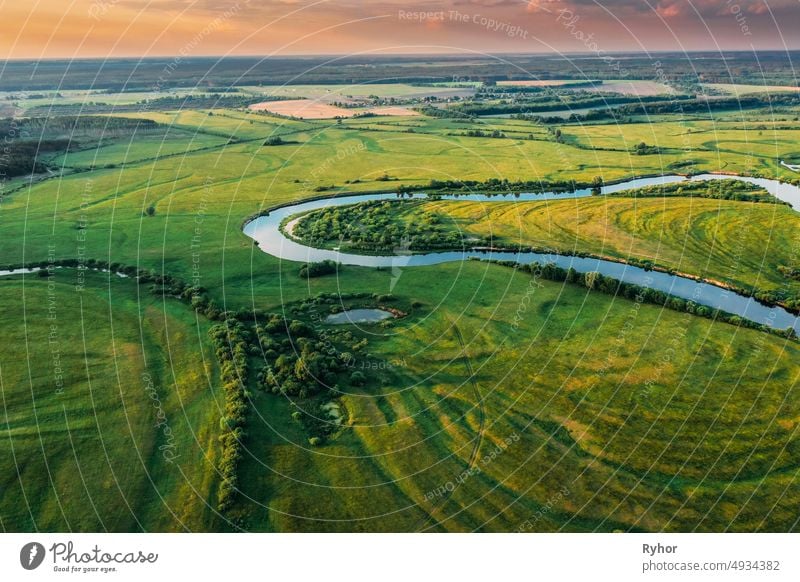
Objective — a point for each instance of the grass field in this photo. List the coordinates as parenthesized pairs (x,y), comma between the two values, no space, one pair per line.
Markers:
(604,401)
(109,409)
(745,147)
(138,149)
(235,180)
(607,425)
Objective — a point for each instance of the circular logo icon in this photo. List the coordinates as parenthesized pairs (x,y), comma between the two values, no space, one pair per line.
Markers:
(31,555)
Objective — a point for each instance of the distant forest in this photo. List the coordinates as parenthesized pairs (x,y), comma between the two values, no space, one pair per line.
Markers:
(769,67)
(26,140)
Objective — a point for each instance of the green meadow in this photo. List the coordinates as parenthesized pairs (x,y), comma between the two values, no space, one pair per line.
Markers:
(603,396)
(110,410)
(498,403)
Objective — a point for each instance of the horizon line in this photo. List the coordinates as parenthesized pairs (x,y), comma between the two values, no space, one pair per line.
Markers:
(408,54)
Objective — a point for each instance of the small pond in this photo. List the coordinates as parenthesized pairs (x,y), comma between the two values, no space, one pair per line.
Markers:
(358,316)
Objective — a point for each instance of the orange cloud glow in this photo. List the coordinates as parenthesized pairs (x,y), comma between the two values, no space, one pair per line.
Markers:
(115,28)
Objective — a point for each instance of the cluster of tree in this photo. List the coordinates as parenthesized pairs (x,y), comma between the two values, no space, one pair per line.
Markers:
(444,113)
(298,362)
(610,286)
(494,186)
(323,300)
(320,269)
(642,149)
(15,97)
(556,133)
(710,105)
(308,363)
(491,91)
(790,272)
(21,157)
(373,226)
(167,103)
(230,340)
(699,105)
(558,119)
(554,100)
(496,134)
(624,113)
(716,189)
(501,186)
(784,297)
(37,128)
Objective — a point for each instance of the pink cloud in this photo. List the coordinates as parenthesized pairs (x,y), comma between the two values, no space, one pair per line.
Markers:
(666,8)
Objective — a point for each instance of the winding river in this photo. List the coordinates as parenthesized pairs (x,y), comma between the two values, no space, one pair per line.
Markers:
(266,231)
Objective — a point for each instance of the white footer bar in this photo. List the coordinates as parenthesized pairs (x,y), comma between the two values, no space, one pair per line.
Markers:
(389,557)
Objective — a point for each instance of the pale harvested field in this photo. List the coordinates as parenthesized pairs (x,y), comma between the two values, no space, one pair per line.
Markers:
(739,90)
(392,110)
(309,109)
(639,88)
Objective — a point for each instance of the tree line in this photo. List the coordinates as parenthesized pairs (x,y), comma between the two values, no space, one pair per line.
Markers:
(715,189)
(660,106)
(608,285)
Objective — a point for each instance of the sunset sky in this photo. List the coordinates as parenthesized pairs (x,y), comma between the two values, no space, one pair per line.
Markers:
(116,28)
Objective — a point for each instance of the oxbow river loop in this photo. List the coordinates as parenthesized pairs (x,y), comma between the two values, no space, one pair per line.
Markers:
(266,231)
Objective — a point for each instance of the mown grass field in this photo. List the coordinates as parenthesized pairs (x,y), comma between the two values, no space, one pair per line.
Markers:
(737,243)
(109,409)
(642,434)
(650,420)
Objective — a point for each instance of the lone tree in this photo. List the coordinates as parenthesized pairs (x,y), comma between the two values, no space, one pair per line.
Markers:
(597,184)
(590,279)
